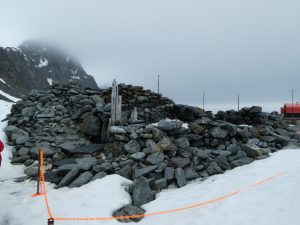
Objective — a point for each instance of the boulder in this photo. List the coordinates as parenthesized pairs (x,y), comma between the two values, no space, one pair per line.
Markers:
(91,125)
(156,158)
(143,171)
(180,177)
(179,162)
(81,180)
(132,147)
(142,192)
(68,178)
(214,168)
(129,210)
(252,151)
(167,145)
(169,125)
(218,132)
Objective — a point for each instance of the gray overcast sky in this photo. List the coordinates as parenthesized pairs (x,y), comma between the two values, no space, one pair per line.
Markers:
(224,47)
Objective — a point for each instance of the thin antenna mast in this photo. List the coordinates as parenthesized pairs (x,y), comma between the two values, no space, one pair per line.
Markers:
(158,76)
(203,99)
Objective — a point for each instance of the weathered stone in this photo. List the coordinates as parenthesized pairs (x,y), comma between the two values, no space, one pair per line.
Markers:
(104,167)
(138,156)
(150,144)
(113,149)
(190,173)
(129,210)
(157,134)
(142,192)
(182,143)
(125,171)
(65,169)
(218,132)
(179,162)
(132,147)
(180,177)
(169,125)
(68,178)
(143,171)
(31,171)
(117,130)
(196,128)
(241,162)
(20,159)
(169,173)
(214,168)
(167,145)
(9,130)
(252,151)
(91,125)
(99,175)
(81,180)
(160,184)
(86,163)
(156,158)
(222,162)
(53,177)
(64,162)
(87,149)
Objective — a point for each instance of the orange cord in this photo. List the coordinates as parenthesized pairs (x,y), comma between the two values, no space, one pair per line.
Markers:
(44,193)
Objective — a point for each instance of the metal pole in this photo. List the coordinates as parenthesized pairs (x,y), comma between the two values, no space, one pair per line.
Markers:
(50,221)
(39,174)
(292,105)
(203,98)
(158,76)
(238,102)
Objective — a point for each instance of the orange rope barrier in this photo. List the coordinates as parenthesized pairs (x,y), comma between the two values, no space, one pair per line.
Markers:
(44,193)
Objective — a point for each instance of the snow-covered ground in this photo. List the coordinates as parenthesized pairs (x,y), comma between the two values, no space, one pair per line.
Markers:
(9,97)
(276,202)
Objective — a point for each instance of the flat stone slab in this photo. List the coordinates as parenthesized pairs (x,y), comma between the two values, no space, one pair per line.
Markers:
(87,149)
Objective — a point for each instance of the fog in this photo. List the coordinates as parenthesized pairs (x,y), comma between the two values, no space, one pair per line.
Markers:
(221,47)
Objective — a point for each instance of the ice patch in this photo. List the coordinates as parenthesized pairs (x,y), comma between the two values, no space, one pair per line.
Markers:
(75,77)
(74,71)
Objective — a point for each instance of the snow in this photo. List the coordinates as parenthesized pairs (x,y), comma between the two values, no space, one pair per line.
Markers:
(9,96)
(3,81)
(67,59)
(43,62)
(49,80)
(74,71)
(276,202)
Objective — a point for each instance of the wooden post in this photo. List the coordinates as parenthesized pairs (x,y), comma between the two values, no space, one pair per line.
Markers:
(116,104)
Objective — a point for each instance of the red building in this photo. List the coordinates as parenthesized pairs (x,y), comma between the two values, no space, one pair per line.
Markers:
(291,110)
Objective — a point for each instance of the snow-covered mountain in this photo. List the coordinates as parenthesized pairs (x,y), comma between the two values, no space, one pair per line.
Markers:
(34,65)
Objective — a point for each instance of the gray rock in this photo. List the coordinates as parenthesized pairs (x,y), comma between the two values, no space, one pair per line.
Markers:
(167,145)
(179,162)
(87,149)
(31,171)
(138,156)
(68,178)
(81,180)
(104,167)
(182,143)
(113,149)
(150,144)
(190,174)
(169,173)
(169,125)
(20,159)
(132,147)
(86,163)
(142,192)
(129,210)
(157,134)
(160,184)
(143,171)
(99,175)
(156,158)
(252,151)
(117,130)
(214,168)
(253,141)
(9,130)
(255,109)
(222,162)
(20,137)
(65,169)
(28,111)
(53,177)
(202,154)
(91,125)
(241,162)
(218,132)
(64,162)
(180,177)
(126,171)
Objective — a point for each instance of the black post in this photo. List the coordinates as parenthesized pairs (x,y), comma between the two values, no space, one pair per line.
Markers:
(39,174)
(50,221)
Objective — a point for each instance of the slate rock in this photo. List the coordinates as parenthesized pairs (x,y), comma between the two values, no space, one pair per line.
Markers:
(143,171)
(64,162)
(65,169)
(138,156)
(53,177)
(142,192)
(68,178)
(241,162)
(157,134)
(87,149)
(167,145)
(160,184)
(132,147)
(117,130)
(214,168)
(218,132)
(156,158)
(252,151)
(20,159)
(182,143)
(91,125)
(86,163)
(31,171)
(169,125)
(190,174)
(180,177)
(222,162)
(104,167)
(129,210)
(179,162)
(169,173)
(82,179)
(99,175)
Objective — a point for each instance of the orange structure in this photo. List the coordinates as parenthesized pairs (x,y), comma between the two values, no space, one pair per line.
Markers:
(291,110)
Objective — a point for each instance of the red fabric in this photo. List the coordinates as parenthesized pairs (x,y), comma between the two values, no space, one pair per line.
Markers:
(1,149)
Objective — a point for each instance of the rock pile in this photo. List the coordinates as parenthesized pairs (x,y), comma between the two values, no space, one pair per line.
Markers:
(66,121)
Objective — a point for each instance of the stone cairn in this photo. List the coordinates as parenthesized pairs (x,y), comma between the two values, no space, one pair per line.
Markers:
(67,122)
